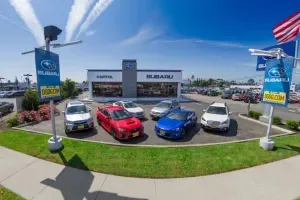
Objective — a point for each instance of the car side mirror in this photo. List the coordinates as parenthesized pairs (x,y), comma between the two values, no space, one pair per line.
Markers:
(90,110)
(204,110)
(63,112)
(230,113)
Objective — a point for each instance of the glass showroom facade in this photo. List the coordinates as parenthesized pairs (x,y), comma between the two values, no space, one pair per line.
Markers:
(132,83)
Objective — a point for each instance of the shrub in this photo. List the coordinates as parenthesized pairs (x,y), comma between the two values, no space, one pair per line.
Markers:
(292,124)
(30,100)
(251,113)
(29,116)
(256,115)
(13,121)
(79,90)
(277,120)
(45,111)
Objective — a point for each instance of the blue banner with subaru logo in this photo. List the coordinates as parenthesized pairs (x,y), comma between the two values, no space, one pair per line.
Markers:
(278,78)
(48,75)
(289,48)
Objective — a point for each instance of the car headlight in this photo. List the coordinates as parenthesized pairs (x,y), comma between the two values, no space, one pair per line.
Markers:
(69,122)
(122,130)
(203,119)
(175,129)
(225,122)
(90,119)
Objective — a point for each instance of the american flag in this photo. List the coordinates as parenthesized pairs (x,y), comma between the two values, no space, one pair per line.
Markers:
(288,29)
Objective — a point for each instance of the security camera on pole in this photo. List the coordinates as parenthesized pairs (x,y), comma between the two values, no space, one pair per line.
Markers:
(278,77)
(48,77)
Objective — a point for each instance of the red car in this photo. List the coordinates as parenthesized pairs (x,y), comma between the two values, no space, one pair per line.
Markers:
(244,96)
(119,122)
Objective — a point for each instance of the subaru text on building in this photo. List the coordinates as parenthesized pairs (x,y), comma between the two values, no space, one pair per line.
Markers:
(175,124)
(132,108)
(119,122)
(216,117)
(77,117)
(163,108)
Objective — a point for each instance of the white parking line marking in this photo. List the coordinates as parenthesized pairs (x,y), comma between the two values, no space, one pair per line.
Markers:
(183,106)
(199,104)
(292,111)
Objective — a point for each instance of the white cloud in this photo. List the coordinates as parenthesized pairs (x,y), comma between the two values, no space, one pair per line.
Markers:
(144,34)
(97,10)
(90,33)
(78,10)
(27,14)
(209,42)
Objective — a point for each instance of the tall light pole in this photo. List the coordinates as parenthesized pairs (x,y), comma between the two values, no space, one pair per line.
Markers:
(267,143)
(27,79)
(51,33)
(1,83)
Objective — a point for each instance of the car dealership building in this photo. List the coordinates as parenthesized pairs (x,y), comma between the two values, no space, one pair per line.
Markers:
(133,84)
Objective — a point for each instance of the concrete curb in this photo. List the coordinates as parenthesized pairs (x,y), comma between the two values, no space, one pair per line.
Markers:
(263,123)
(152,146)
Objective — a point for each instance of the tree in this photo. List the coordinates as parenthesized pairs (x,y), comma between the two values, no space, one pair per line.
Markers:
(192,77)
(211,81)
(68,88)
(16,81)
(251,81)
(8,81)
(30,100)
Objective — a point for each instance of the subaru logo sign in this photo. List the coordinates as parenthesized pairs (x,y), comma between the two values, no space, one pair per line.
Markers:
(129,66)
(48,65)
(276,72)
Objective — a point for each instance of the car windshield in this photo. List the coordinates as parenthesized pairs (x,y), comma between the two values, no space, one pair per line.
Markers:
(77,110)
(163,105)
(177,116)
(130,105)
(216,110)
(120,114)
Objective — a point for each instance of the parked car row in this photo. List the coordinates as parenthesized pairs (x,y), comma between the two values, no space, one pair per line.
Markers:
(6,107)
(12,94)
(122,119)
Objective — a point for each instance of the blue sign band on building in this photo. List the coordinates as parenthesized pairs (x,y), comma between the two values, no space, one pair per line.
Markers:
(289,48)
(277,81)
(48,75)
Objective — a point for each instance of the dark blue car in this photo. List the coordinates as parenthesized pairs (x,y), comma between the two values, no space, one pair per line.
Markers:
(175,124)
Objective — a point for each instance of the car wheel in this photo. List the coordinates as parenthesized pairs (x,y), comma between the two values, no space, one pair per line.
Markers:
(66,131)
(183,132)
(113,133)
(99,122)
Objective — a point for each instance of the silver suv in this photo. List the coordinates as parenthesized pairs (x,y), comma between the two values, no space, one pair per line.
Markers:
(163,108)
(77,117)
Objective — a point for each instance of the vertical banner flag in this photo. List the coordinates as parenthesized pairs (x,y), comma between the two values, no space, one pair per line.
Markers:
(48,75)
(278,78)
(288,48)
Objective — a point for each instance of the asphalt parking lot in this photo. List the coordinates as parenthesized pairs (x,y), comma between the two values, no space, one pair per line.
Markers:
(240,129)
(292,112)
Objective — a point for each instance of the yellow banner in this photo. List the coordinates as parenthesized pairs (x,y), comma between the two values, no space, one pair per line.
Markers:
(50,91)
(274,97)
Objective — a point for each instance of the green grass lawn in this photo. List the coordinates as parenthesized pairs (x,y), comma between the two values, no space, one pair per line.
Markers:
(149,161)
(6,194)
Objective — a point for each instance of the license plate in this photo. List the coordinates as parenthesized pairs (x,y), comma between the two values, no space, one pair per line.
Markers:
(135,134)
(162,132)
(213,126)
(80,126)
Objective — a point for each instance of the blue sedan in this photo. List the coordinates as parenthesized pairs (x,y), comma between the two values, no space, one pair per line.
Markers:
(175,124)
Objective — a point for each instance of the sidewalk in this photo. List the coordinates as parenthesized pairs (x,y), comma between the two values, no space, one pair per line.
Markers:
(37,179)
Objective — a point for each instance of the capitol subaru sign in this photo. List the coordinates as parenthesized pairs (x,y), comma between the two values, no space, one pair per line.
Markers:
(48,75)
(277,81)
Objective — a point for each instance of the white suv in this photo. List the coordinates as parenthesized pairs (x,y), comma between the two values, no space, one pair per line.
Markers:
(216,117)
(131,107)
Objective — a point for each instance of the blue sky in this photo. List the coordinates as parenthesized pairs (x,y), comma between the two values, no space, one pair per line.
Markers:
(203,38)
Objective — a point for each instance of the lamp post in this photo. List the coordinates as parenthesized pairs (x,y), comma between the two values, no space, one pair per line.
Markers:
(51,33)
(267,143)
(27,79)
